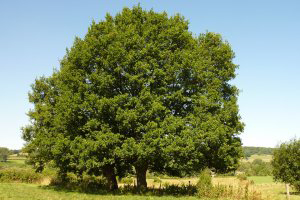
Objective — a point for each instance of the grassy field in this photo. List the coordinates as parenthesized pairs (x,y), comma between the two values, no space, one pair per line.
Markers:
(261,179)
(264,185)
(32,192)
(13,163)
(265,158)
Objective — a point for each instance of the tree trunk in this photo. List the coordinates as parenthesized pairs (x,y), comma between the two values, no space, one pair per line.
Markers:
(63,177)
(141,176)
(287,191)
(109,174)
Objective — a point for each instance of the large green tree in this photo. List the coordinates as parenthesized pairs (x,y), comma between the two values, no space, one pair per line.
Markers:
(138,90)
(286,163)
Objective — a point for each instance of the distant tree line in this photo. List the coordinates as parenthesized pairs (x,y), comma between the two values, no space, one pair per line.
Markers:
(15,151)
(249,151)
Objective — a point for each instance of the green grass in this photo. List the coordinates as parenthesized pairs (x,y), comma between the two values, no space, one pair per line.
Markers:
(269,189)
(265,185)
(261,179)
(16,157)
(32,192)
(13,163)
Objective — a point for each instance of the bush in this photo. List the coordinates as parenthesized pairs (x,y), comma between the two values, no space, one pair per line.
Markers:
(86,183)
(204,184)
(166,189)
(241,177)
(206,189)
(24,175)
(127,180)
(4,152)
(3,158)
(182,189)
(157,180)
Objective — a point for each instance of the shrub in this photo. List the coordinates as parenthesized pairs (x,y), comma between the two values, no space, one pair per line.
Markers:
(241,177)
(177,190)
(127,180)
(167,189)
(24,175)
(86,183)
(4,152)
(206,189)
(157,180)
(3,158)
(204,183)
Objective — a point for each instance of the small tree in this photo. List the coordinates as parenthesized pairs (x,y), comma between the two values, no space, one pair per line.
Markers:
(286,163)
(4,152)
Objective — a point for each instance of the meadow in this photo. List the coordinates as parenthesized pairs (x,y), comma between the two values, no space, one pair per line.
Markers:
(263,185)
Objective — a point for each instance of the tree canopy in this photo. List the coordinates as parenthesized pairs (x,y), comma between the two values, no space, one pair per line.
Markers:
(139,90)
(286,163)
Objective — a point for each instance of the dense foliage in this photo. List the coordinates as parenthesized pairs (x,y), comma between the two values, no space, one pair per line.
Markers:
(249,151)
(286,163)
(139,90)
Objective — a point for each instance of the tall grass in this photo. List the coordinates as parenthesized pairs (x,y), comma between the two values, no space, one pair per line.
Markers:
(206,189)
(241,192)
(24,175)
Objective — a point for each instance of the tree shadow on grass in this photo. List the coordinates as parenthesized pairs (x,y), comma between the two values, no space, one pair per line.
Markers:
(291,193)
(71,190)
(295,193)
(169,190)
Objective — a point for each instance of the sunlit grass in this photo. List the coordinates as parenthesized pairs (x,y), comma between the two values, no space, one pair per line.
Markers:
(32,192)
(269,190)
(263,184)
(261,179)
(13,163)
(263,157)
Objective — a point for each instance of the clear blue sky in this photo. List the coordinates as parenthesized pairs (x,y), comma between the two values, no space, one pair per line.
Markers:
(265,36)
